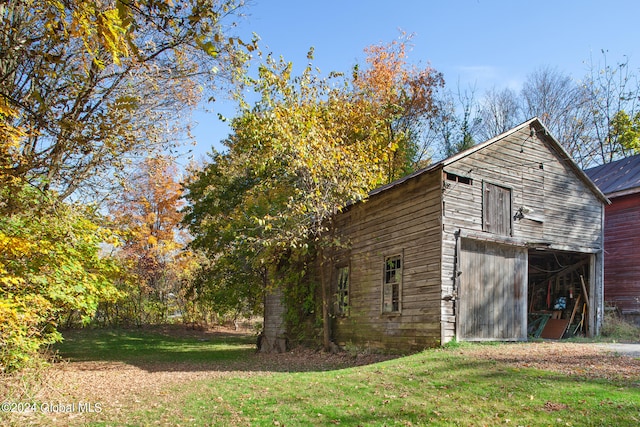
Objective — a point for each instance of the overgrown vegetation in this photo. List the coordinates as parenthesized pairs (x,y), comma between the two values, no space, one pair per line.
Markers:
(615,327)
(306,149)
(50,270)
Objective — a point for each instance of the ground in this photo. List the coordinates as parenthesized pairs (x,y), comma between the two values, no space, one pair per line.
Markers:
(590,360)
(119,385)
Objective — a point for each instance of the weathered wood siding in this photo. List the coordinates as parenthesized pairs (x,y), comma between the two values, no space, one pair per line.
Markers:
(424,218)
(560,210)
(621,266)
(493,289)
(406,222)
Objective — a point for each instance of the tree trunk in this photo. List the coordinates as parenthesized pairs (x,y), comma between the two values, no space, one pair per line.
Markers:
(273,337)
(326,300)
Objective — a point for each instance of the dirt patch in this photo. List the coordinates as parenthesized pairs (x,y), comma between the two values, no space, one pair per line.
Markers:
(583,360)
(66,388)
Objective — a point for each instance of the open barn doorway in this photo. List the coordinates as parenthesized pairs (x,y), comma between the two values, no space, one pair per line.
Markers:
(559,291)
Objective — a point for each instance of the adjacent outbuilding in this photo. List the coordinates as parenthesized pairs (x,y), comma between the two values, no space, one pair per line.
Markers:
(620,182)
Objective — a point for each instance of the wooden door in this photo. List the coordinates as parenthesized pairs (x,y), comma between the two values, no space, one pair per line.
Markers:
(492,293)
(496,209)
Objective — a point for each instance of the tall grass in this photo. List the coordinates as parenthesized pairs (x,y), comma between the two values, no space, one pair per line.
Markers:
(616,328)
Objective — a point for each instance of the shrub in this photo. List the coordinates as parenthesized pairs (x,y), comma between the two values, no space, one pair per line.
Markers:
(51,265)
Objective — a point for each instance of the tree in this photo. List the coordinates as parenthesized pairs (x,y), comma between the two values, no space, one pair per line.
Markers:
(10,137)
(148,217)
(405,96)
(455,125)
(326,165)
(86,87)
(612,92)
(500,110)
(96,84)
(591,119)
(51,267)
(221,218)
(306,149)
(560,104)
(627,131)
(555,98)
(297,157)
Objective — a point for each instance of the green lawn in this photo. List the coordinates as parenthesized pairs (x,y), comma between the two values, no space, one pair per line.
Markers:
(153,346)
(431,388)
(445,387)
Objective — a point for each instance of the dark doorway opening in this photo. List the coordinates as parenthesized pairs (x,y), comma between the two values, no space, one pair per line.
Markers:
(558,294)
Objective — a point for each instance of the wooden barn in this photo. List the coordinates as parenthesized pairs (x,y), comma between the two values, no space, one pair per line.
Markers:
(499,242)
(620,182)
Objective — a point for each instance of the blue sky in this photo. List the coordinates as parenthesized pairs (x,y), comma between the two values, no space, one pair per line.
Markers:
(474,43)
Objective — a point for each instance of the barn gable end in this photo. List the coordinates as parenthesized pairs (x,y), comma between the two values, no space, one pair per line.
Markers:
(519,190)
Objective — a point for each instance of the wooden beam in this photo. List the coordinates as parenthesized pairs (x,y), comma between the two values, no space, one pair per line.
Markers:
(586,301)
(584,291)
(575,309)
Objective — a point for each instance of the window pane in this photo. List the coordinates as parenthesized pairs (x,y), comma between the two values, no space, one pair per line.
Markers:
(395,297)
(391,285)
(392,269)
(343,291)
(387,303)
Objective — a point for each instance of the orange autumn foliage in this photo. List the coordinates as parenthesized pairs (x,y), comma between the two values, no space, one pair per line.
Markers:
(404,96)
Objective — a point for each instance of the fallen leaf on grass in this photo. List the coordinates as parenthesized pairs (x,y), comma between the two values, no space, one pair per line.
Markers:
(551,406)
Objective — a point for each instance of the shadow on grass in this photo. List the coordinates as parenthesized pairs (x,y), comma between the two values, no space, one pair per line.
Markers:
(172,349)
(430,388)
(439,387)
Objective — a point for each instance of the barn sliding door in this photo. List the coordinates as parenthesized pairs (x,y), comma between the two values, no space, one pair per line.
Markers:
(492,292)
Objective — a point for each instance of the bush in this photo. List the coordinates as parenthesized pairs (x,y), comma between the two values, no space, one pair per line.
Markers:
(51,265)
(23,331)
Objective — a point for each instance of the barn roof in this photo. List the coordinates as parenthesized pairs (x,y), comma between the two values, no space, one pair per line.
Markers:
(617,178)
(534,123)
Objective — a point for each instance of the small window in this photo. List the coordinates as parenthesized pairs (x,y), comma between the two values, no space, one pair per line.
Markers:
(496,209)
(458,178)
(391,285)
(342,295)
